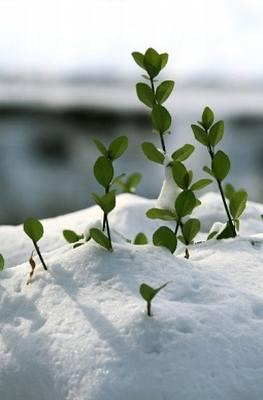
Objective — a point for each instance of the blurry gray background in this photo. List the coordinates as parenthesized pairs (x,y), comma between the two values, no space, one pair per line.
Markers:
(67,76)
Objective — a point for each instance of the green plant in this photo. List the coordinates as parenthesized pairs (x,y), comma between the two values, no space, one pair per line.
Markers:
(2,262)
(140,238)
(34,230)
(148,293)
(104,173)
(209,134)
(130,183)
(153,97)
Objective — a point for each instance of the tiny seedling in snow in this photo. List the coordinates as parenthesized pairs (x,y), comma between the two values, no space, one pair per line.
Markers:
(104,173)
(153,97)
(140,238)
(209,134)
(148,293)
(34,230)
(2,262)
(74,238)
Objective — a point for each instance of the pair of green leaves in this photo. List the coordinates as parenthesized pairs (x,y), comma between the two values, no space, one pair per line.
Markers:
(189,231)
(155,155)
(148,293)
(115,150)
(106,202)
(147,96)
(152,62)
(207,133)
(183,178)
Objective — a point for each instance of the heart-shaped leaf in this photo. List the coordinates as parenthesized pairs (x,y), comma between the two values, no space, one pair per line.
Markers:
(34,229)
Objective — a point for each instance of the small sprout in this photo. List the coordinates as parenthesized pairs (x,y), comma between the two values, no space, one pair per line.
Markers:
(189,230)
(130,184)
(140,239)
(2,262)
(101,238)
(148,293)
(34,230)
(71,236)
(165,237)
(33,266)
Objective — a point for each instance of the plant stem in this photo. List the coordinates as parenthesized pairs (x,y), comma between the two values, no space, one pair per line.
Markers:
(155,102)
(108,230)
(149,309)
(178,223)
(40,256)
(104,215)
(232,227)
(187,255)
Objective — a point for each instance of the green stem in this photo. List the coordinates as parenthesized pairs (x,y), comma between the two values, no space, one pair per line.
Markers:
(155,102)
(108,230)
(104,215)
(178,224)
(232,227)
(40,255)
(149,309)
(187,255)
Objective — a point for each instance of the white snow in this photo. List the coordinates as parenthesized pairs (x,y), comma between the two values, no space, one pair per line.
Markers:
(80,331)
(169,190)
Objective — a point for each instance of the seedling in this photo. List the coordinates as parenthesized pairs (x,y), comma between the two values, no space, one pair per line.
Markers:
(104,173)
(34,230)
(189,230)
(2,262)
(130,183)
(140,238)
(148,293)
(210,134)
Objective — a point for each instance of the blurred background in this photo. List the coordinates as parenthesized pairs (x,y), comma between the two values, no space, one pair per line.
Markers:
(67,76)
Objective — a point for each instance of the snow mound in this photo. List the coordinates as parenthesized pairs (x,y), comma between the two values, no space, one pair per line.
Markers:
(80,330)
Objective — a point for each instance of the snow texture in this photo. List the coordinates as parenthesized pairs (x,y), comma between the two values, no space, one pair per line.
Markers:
(80,331)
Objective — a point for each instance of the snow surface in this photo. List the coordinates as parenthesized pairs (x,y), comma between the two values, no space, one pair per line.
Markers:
(80,331)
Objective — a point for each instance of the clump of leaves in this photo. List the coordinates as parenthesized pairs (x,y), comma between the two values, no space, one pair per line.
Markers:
(184,205)
(153,97)
(104,173)
(34,230)
(209,133)
(148,293)
(128,184)
(2,262)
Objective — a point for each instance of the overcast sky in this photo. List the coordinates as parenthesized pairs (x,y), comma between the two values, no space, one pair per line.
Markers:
(221,37)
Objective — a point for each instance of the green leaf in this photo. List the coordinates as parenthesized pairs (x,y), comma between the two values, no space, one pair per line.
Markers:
(207,117)
(100,146)
(118,147)
(220,165)
(161,119)
(200,134)
(106,202)
(34,229)
(145,94)
(183,152)
(190,229)
(100,238)
(226,233)
(2,262)
(180,175)
(208,171)
(201,184)
(229,191)
(159,213)
(164,59)
(185,203)
(216,133)
(238,204)
(212,235)
(103,171)
(140,238)
(152,62)
(133,181)
(148,293)
(138,58)
(152,153)
(71,236)
(165,237)
(163,91)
